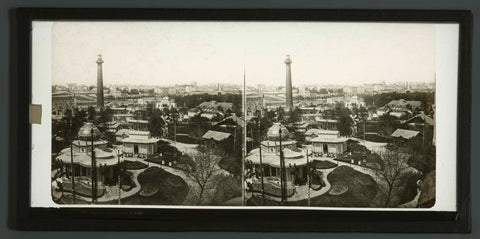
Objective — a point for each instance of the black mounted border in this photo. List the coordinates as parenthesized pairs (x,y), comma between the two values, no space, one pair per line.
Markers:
(23,217)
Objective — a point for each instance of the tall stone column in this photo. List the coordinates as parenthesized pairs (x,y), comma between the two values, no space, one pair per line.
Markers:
(288,93)
(100,103)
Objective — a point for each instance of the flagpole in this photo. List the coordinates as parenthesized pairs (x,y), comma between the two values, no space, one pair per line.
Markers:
(244,131)
(94,169)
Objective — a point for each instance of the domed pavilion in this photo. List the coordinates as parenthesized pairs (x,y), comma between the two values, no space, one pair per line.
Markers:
(106,160)
(295,158)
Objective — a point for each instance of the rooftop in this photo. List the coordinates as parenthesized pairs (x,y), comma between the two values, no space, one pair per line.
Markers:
(273,132)
(216,135)
(404,133)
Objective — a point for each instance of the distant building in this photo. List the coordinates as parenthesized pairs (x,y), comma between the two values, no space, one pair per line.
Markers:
(139,143)
(214,105)
(166,103)
(255,102)
(123,118)
(327,124)
(401,104)
(419,122)
(85,101)
(211,114)
(326,142)
(354,102)
(184,89)
(61,101)
(399,108)
(138,125)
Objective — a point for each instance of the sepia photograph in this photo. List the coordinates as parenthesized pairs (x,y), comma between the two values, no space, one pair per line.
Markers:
(342,115)
(285,115)
(144,114)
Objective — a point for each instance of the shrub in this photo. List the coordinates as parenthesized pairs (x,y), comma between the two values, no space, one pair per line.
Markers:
(186,139)
(227,187)
(322,164)
(172,189)
(133,165)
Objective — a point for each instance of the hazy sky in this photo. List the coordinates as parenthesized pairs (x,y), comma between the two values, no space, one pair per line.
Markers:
(167,53)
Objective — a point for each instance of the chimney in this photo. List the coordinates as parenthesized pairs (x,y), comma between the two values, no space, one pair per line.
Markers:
(100,102)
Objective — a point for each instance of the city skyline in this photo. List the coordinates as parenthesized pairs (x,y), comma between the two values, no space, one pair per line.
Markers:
(157,53)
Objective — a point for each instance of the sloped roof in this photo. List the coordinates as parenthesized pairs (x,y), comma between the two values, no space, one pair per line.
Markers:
(232,120)
(216,135)
(311,132)
(403,103)
(214,105)
(422,116)
(404,133)
(122,132)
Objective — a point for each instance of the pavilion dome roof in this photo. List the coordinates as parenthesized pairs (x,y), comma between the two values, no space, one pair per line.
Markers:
(85,132)
(273,132)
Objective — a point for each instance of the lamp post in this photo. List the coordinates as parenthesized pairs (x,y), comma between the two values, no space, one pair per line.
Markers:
(175,129)
(119,177)
(261,163)
(234,136)
(94,170)
(309,181)
(282,168)
(71,163)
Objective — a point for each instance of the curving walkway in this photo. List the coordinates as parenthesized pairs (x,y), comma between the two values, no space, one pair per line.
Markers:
(112,191)
(301,192)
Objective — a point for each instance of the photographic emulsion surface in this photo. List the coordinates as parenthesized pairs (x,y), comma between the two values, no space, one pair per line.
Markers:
(204,120)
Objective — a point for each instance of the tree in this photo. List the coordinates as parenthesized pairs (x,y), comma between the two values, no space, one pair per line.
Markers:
(295,115)
(204,168)
(149,109)
(270,115)
(134,92)
(156,123)
(198,126)
(394,169)
(228,187)
(91,113)
(78,119)
(105,115)
(362,113)
(388,124)
(323,91)
(345,123)
(280,114)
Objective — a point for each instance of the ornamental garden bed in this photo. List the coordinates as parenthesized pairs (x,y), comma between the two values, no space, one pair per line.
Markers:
(374,137)
(359,190)
(360,155)
(187,139)
(322,164)
(271,187)
(133,165)
(159,187)
(227,187)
